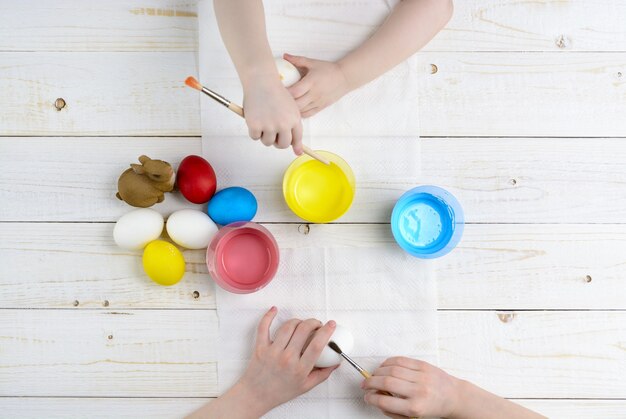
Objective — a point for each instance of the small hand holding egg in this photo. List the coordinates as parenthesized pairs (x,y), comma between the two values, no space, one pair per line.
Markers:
(323,84)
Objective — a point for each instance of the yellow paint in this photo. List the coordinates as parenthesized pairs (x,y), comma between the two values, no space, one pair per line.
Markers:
(163,262)
(317,192)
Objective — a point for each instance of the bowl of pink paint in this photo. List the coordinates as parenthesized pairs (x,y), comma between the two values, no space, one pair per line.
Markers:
(242,257)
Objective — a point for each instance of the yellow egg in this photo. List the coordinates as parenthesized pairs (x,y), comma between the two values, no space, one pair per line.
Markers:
(163,262)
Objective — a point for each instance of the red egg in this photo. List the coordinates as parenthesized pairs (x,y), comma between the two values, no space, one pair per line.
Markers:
(196,179)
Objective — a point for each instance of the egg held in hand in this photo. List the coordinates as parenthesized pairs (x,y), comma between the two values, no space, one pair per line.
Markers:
(163,262)
(191,229)
(135,229)
(344,339)
(232,204)
(196,180)
(289,74)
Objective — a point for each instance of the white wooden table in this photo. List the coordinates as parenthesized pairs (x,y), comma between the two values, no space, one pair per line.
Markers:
(523,114)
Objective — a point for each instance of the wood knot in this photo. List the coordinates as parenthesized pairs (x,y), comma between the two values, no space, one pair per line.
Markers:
(75,303)
(588,278)
(196,295)
(513,182)
(619,74)
(110,337)
(562,42)
(59,103)
(506,317)
(304,229)
(105,303)
(433,68)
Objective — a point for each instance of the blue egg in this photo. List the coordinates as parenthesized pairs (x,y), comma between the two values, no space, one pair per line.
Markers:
(232,204)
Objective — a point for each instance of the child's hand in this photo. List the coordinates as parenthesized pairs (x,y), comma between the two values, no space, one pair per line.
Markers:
(422,389)
(322,85)
(271,113)
(284,369)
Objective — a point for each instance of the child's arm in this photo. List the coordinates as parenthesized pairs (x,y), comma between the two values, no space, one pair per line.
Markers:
(410,26)
(271,113)
(280,370)
(426,391)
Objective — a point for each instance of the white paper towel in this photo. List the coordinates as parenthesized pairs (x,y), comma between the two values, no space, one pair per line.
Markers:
(354,274)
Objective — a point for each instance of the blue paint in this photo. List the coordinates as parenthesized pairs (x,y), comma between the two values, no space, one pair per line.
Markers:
(232,204)
(427,222)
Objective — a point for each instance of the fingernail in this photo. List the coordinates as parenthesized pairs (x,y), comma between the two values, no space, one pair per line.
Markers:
(332,323)
(273,308)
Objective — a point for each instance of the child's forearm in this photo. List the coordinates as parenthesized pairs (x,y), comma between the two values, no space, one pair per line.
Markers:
(242,26)
(237,403)
(474,402)
(410,26)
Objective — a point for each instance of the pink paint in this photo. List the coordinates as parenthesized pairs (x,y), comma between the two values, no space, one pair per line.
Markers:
(243,257)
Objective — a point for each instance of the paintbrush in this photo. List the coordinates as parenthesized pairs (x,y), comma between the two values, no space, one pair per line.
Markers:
(195,84)
(359,368)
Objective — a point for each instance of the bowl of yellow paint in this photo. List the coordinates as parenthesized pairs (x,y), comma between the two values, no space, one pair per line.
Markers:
(317,192)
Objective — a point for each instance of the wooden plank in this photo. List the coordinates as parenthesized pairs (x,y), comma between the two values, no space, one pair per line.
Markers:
(513,25)
(170,353)
(67,265)
(75,179)
(471,94)
(141,353)
(99,408)
(535,267)
(478,25)
(158,408)
(556,354)
(106,93)
(495,267)
(115,25)
(572,409)
(531,180)
(531,94)
(568,180)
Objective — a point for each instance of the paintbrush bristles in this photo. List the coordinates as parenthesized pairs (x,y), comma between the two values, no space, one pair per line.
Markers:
(335,347)
(193,83)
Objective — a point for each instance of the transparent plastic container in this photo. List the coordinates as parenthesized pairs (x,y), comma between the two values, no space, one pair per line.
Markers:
(427,222)
(242,257)
(317,192)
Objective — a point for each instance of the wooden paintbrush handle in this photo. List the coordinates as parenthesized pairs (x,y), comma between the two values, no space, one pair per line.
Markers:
(315,155)
(368,375)
(236,108)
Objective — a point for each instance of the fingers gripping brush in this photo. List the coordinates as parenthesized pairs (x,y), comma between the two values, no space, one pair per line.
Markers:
(360,369)
(195,84)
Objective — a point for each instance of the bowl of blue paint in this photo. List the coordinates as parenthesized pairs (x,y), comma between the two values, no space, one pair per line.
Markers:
(427,222)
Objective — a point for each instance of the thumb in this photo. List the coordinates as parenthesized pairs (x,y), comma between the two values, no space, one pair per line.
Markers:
(318,376)
(297,60)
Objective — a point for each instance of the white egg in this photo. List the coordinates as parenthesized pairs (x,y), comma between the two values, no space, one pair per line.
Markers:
(289,74)
(191,229)
(344,339)
(134,230)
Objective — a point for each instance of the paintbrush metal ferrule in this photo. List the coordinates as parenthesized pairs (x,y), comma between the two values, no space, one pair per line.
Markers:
(221,99)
